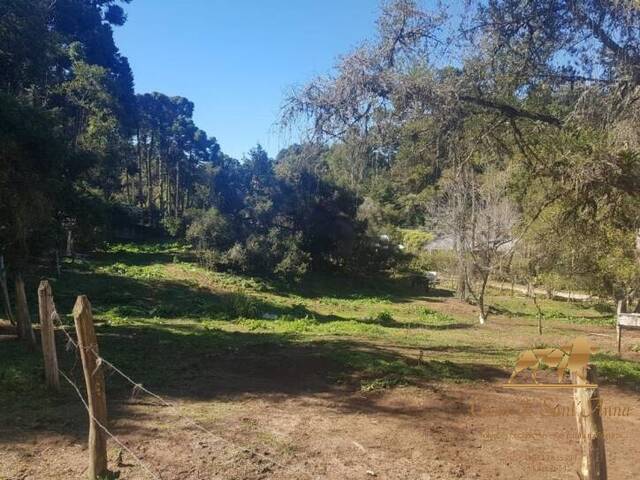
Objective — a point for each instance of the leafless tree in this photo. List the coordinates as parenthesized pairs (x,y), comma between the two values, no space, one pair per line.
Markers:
(476,211)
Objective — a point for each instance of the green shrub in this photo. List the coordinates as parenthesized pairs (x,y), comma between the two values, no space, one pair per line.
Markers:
(294,264)
(383,318)
(415,240)
(174,226)
(239,305)
(236,258)
(209,230)
(437,260)
(435,318)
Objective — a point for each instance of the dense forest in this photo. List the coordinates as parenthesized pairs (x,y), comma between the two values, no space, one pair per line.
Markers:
(509,135)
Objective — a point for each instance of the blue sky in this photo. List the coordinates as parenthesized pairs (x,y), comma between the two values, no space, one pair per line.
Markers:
(236,59)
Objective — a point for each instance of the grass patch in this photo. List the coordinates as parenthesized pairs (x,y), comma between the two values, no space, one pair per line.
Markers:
(618,371)
(577,313)
(431,317)
(167,322)
(138,272)
(147,248)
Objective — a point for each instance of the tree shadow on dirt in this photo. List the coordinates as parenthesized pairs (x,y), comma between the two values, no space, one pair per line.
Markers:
(179,364)
(482,350)
(183,362)
(214,365)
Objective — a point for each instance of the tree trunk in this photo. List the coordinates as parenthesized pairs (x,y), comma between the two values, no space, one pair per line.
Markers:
(540,314)
(5,292)
(483,311)
(140,163)
(461,283)
(127,184)
(461,274)
(69,243)
(161,187)
(177,192)
(149,180)
(25,329)
(58,267)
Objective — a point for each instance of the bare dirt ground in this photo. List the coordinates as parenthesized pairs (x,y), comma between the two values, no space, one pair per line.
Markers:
(273,420)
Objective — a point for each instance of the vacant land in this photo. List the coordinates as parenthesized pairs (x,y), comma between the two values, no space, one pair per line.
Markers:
(332,378)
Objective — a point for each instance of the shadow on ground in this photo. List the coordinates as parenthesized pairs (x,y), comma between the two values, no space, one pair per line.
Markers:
(149,295)
(178,363)
(184,362)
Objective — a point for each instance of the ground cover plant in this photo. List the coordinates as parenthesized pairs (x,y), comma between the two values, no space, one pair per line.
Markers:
(207,339)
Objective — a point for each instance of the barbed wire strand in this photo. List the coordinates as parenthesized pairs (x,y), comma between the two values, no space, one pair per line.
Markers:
(55,318)
(139,386)
(189,420)
(111,435)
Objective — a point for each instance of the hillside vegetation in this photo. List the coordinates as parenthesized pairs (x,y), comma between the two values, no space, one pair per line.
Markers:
(237,353)
(375,332)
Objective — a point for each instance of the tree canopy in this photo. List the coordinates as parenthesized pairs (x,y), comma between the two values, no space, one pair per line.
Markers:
(510,132)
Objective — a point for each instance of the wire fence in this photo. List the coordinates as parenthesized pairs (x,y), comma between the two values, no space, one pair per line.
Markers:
(72,344)
(105,430)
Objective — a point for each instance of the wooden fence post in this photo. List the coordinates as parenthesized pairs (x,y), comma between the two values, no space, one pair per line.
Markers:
(94,379)
(593,465)
(5,292)
(25,328)
(47,309)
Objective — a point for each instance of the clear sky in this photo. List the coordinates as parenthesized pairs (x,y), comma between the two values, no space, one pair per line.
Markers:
(236,59)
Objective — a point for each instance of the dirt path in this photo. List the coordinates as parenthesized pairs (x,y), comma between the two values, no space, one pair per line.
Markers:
(436,431)
(574,296)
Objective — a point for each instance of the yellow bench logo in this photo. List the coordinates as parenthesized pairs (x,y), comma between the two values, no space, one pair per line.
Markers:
(572,358)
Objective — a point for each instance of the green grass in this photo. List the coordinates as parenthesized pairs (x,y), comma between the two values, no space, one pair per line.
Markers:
(152,248)
(618,371)
(168,322)
(577,313)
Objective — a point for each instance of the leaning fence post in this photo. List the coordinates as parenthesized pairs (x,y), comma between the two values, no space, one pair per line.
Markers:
(593,465)
(94,379)
(47,335)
